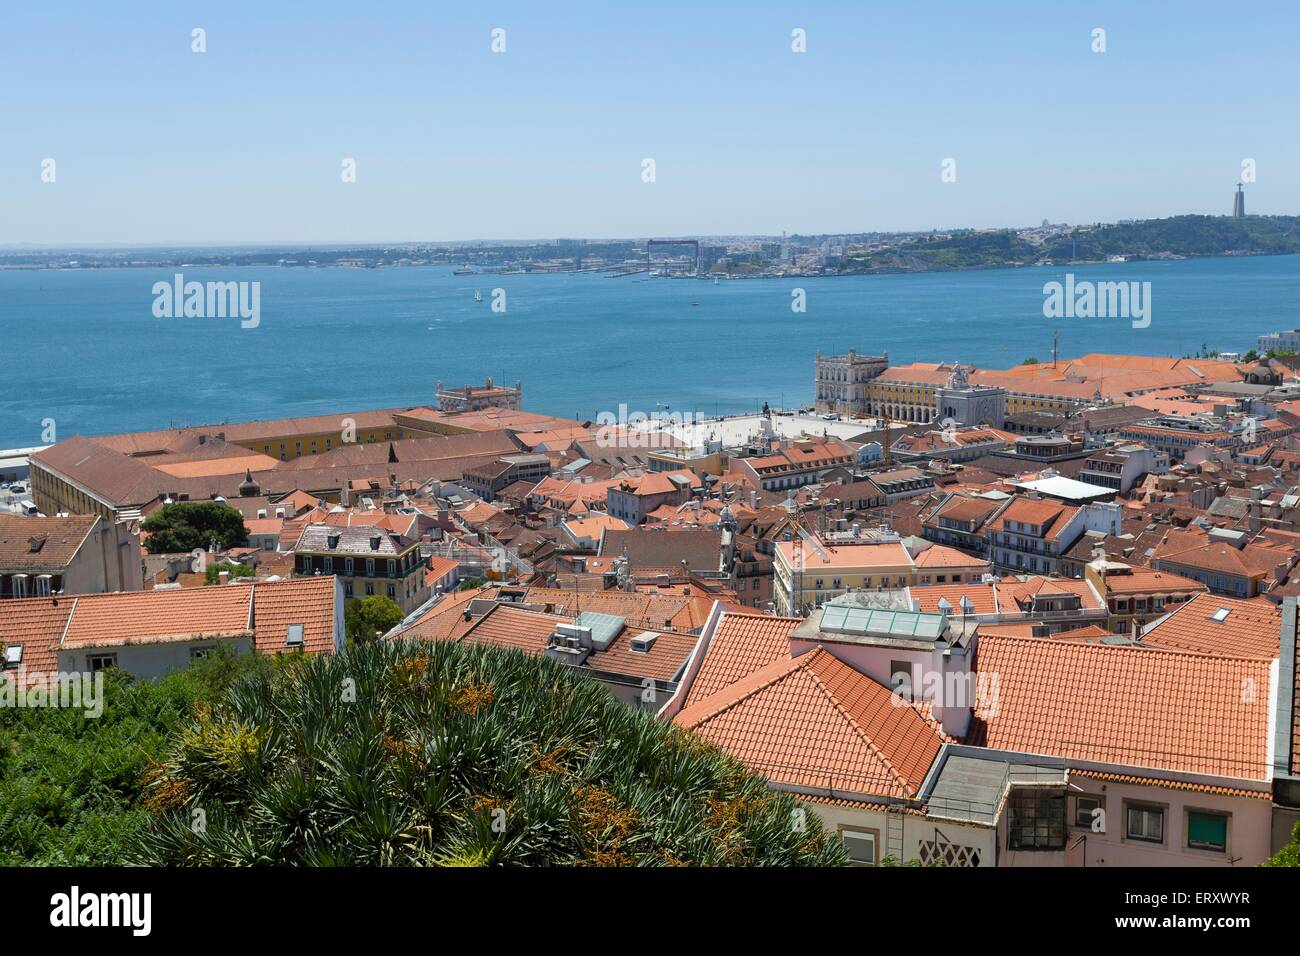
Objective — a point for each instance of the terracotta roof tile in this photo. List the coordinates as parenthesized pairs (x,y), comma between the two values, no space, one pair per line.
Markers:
(741,644)
(1248,629)
(812,721)
(1133,706)
(57,541)
(153,617)
(260,611)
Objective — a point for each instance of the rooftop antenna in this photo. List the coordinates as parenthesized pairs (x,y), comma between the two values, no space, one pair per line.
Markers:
(1056,336)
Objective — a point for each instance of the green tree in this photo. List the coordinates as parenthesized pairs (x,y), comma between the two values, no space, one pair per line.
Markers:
(1032,360)
(235,569)
(471,584)
(186,525)
(371,617)
(1251,356)
(1289,855)
(413,753)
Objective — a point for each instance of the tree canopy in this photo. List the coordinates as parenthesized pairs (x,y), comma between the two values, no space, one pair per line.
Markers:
(187,525)
(370,617)
(406,753)
(233,568)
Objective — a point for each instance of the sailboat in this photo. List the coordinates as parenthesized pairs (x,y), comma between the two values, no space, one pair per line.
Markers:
(478,296)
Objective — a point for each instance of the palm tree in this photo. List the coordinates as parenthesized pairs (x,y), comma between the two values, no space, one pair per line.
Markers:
(405,753)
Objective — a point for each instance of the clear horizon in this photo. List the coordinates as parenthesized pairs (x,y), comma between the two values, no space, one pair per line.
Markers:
(244,143)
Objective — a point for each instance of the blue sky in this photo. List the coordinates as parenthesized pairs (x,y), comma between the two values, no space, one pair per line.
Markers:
(244,143)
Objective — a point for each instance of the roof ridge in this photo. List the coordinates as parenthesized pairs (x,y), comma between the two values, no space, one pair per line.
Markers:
(1125,647)
(738,690)
(902,781)
(67,624)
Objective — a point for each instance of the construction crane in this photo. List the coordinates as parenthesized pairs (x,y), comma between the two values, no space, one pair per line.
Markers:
(889,420)
(799,561)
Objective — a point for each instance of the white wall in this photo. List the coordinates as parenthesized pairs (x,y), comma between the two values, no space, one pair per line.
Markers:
(146,661)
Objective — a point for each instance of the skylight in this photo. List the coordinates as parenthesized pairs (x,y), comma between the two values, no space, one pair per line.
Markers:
(1221,614)
(13,655)
(294,638)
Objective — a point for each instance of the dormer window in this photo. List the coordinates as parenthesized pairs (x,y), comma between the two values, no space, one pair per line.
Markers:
(642,643)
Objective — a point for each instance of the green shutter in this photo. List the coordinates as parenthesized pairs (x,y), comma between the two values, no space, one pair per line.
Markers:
(1207,830)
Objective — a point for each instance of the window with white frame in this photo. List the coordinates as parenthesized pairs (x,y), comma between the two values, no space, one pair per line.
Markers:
(1086,809)
(1145,823)
(861,846)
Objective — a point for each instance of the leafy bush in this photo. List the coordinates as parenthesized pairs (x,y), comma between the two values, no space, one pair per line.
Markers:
(71,785)
(236,570)
(1288,855)
(403,753)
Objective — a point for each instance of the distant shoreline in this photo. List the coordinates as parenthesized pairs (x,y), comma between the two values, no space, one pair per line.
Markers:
(615,273)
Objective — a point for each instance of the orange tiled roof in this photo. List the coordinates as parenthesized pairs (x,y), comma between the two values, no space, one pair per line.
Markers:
(36,624)
(205,468)
(153,617)
(261,611)
(983,597)
(876,555)
(1172,784)
(530,630)
(506,626)
(446,620)
(812,721)
(1124,705)
(1249,629)
(57,541)
(662,662)
(942,556)
(1033,511)
(741,644)
(306,601)
(1146,581)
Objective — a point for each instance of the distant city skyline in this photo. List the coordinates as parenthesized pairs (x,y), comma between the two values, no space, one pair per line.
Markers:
(526,240)
(246,143)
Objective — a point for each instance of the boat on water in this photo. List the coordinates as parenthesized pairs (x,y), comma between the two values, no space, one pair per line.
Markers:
(462,271)
(478,296)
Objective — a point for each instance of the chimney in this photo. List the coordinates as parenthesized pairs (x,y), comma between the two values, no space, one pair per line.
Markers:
(957,697)
(223,577)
